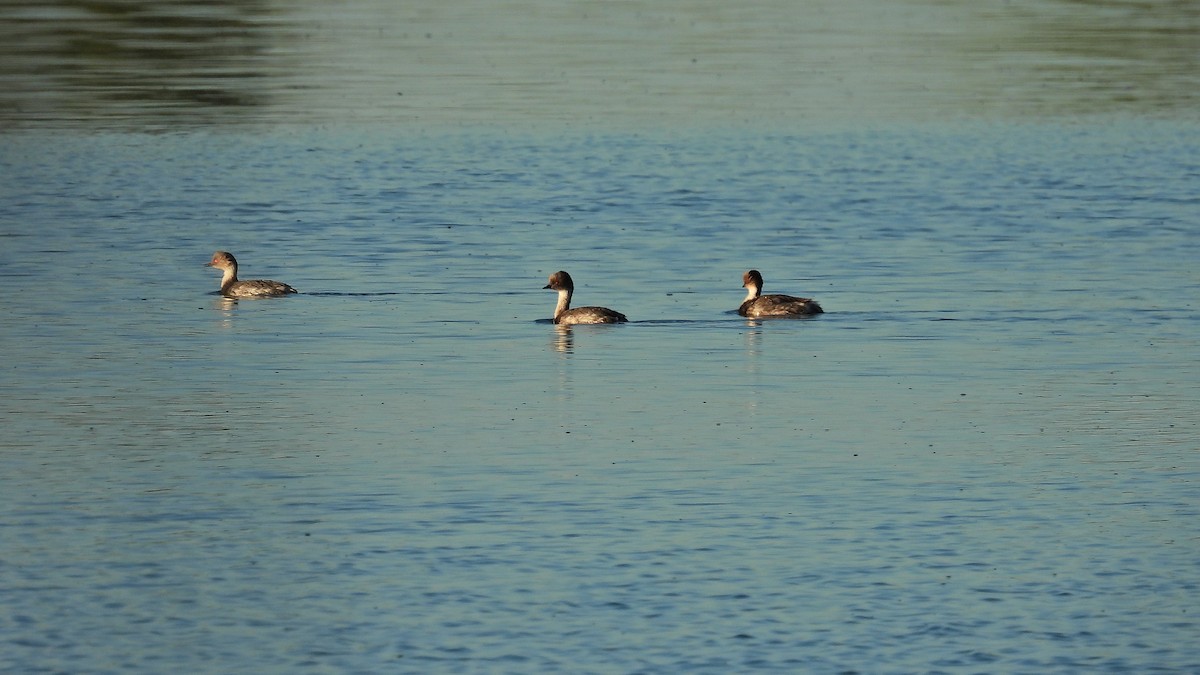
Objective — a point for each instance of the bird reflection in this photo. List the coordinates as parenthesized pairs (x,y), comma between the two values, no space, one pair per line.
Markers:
(564,339)
(754,337)
(225,306)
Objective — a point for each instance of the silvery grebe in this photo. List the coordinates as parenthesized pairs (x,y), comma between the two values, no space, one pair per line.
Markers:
(250,288)
(756,305)
(563,314)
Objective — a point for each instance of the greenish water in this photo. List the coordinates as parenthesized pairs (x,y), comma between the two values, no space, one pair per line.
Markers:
(634,64)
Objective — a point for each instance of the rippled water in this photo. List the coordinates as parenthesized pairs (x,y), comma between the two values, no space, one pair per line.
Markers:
(983,458)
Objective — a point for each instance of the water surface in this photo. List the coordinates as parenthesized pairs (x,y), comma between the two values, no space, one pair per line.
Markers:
(982,458)
(533,64)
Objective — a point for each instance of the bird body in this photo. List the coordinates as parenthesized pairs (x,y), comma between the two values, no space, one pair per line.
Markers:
(231,287)
(563,314)
(757,305)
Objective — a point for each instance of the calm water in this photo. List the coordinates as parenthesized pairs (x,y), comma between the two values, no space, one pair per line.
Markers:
(983,458)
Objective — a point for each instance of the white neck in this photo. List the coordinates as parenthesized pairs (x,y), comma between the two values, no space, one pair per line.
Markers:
(564,302)
(228,276)
(751,292)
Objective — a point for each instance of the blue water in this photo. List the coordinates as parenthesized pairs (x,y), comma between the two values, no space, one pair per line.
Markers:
(982,458)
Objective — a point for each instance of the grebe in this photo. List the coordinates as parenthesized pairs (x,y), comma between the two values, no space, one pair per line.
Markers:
(251,288)
(756,305)
(561,282)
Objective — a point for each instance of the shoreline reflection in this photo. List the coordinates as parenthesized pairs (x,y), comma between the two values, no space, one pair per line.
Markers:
(158,63)
(178,62)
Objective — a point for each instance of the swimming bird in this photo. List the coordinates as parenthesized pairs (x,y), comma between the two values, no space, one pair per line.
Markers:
(563,314)
(250,288)
(756,305)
